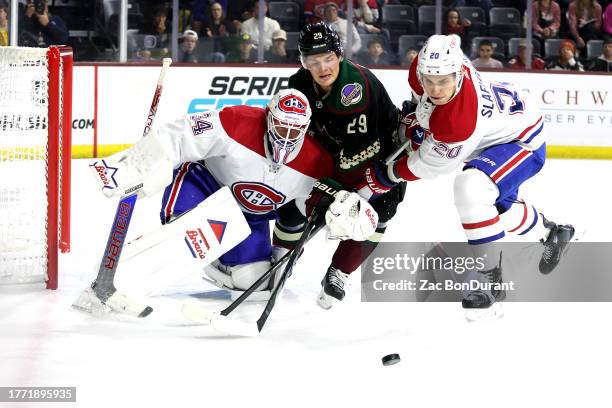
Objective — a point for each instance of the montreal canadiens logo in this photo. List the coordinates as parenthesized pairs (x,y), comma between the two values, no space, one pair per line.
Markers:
(292,104)
(257,198)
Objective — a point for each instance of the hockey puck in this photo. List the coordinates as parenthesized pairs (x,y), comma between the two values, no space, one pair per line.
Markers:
(391,359)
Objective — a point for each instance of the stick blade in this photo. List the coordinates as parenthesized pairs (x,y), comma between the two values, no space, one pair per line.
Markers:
(198,314)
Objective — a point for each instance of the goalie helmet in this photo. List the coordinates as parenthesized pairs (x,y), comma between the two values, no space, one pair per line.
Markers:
(319,38)
(441,55)
(288,117)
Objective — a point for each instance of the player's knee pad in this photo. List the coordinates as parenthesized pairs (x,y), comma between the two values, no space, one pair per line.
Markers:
(245,275)
(475,195)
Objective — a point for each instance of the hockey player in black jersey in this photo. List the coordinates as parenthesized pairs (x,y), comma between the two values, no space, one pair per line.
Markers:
(354,118)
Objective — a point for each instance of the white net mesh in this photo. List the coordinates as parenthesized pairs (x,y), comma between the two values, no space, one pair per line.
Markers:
(23,171)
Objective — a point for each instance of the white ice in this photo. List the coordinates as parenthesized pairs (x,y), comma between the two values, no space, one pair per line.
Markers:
(537,355)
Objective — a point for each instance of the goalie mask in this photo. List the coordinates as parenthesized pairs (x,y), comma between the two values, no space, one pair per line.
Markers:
(288,116)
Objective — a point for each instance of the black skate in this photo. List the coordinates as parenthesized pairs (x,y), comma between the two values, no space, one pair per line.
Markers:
(483,299)
(554,245)
(333,287)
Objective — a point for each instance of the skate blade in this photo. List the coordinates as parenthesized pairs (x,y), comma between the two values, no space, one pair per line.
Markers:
(496,311)
(325,301)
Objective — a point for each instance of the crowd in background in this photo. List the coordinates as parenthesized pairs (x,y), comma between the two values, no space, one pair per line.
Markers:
(567,35)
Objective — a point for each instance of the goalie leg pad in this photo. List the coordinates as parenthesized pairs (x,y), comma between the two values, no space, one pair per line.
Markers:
(239,276)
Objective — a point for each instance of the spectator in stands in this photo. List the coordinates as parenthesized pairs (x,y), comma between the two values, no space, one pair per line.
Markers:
(201,11)
(366,11)
(485,59)
(342,26)
(40,29)
(584,19)
(366,16)
(157,27)
(188,47)
(566,59)
(486,5)
(217,25)
(604,61)
(454,24)
(314,10)
(4,40)
(546,19)
(246,52)
(408,57)
(375,55)
(607,20)
(277,54)
(520,60)
(251,26)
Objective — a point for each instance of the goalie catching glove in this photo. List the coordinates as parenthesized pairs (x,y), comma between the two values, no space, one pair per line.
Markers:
(351,217)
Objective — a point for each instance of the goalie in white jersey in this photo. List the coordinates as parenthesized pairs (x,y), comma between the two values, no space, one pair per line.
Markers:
(270,167)
(493,132)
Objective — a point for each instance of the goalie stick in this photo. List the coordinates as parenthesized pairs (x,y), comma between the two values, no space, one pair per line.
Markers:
(103,287)
(220,319)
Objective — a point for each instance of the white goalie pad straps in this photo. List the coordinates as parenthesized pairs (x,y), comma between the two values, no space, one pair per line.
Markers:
(351,217)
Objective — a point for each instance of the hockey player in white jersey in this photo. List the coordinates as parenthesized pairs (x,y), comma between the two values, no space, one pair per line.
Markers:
(270,167)
(496,135)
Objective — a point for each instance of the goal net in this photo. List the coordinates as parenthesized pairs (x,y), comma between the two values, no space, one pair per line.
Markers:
(35,143)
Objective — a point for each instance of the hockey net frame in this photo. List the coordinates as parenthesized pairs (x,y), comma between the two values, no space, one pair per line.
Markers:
(59,62)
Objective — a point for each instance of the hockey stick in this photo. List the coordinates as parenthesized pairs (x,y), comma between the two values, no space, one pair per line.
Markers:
(220,319)
(104,287)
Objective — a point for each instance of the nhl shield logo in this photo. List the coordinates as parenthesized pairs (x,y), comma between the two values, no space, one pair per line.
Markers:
(351,94)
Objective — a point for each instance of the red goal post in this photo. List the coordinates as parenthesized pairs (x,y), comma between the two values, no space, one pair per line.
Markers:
(35,162)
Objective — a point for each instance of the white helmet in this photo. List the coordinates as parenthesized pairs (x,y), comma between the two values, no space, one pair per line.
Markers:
(441,55)
(288,116)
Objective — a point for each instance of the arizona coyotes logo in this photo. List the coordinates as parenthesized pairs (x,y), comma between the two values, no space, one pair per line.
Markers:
(257,198)
(292,104)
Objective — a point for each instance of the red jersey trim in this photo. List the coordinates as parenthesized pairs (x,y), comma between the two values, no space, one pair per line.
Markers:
(401,168)
(456,121)
(247,126)
(413,80)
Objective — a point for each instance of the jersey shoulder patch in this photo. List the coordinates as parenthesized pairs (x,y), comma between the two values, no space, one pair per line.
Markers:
(313,160)
(245,125)
(455,121)
(352,91)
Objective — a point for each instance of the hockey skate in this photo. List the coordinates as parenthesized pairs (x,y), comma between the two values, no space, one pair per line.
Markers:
(555,245)
(333,287)
(485,304)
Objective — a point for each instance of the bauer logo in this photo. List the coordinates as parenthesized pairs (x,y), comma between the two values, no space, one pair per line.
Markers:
(257,198)
(105,173)
(197,244)
(351,94)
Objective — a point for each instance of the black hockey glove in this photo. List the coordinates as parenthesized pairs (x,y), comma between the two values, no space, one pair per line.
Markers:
(322,195)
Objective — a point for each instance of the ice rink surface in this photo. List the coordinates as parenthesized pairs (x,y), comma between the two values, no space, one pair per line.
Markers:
(537,355)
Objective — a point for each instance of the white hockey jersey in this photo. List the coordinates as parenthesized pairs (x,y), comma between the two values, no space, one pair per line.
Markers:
(480,115)
(231,144)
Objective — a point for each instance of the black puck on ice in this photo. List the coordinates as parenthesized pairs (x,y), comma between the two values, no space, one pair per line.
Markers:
(391,359)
